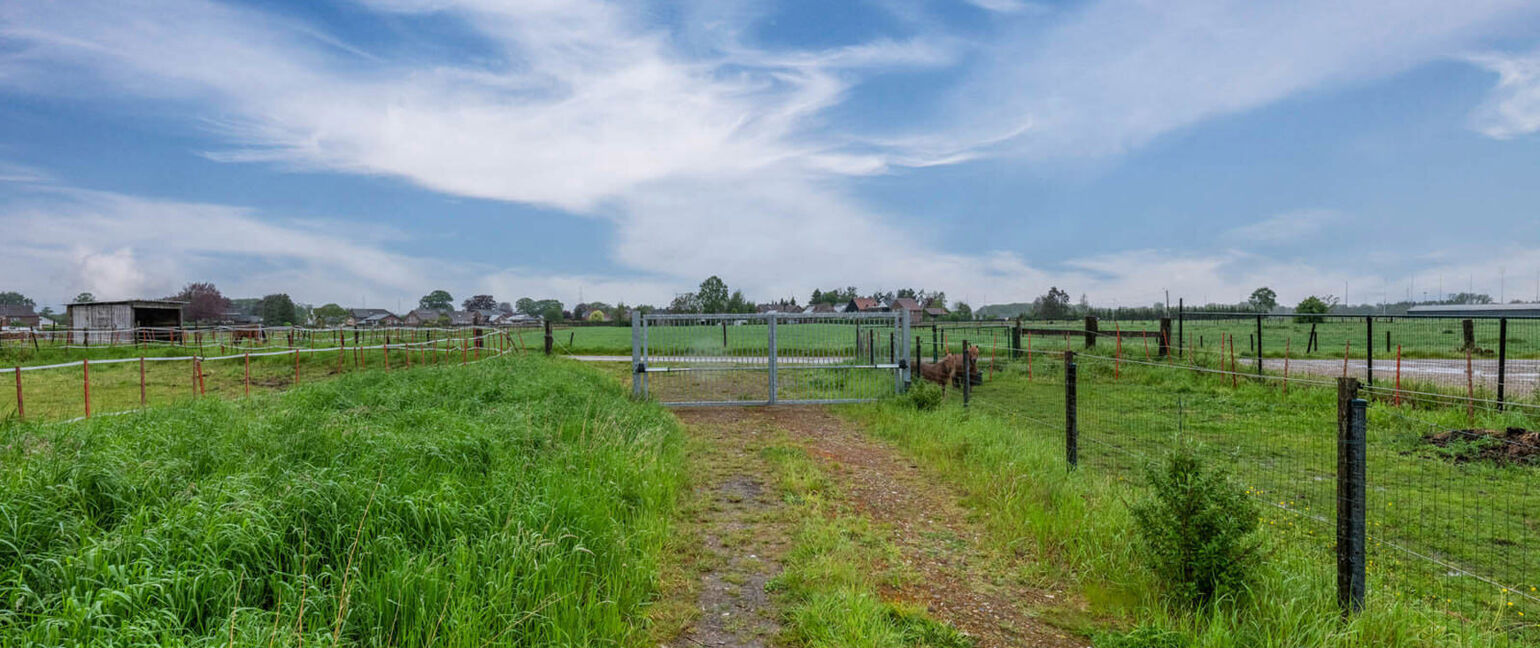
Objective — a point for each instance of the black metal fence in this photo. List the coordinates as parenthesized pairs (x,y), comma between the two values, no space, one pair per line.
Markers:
(1413,496)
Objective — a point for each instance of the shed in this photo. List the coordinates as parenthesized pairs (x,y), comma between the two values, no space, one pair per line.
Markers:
(159,318)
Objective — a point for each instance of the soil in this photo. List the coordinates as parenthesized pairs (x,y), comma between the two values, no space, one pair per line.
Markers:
(1512,445)
(958,579)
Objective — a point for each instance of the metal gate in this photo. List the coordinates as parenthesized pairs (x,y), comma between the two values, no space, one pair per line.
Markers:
(769,358)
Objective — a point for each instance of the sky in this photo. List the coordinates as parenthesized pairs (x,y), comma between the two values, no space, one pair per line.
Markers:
(366,152)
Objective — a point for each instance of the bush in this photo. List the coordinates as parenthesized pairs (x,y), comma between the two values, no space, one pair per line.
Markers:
(1197,529)
(924,395)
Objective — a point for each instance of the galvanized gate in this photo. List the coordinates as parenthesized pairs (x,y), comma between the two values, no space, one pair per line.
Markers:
(769,358)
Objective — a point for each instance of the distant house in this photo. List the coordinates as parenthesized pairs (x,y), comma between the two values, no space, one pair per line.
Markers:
(371,318)
(916,312)
(18,316)
(862,305)
(237,318)
(421,317)
(934,312)
(515,319)
(462,318)
(819,308)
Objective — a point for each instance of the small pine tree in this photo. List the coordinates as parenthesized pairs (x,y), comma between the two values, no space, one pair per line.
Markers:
(1197,529)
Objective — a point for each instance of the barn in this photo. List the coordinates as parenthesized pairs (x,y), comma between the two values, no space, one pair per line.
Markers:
(103,317)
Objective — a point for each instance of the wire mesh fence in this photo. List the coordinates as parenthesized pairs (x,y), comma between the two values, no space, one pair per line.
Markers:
(1451,519)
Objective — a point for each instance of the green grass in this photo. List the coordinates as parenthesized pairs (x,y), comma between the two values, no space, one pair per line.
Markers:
(1008,455)
(830,586)
(517,502)
(24,353)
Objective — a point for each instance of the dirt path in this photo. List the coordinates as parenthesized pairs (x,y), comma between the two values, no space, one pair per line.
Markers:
(958,580)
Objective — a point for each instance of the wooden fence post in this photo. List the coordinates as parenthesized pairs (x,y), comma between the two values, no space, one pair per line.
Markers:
(143,397)
(1165,337)
(549,340)
(1090,331)
(247,379)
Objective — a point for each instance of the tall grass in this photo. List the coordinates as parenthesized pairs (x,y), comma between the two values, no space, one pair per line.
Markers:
(519,502)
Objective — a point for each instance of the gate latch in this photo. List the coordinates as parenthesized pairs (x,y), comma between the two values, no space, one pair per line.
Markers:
(903,364)
(641,367)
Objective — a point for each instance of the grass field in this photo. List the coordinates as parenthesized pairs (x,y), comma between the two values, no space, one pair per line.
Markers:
(1452,558)
(22,352)
(517,502)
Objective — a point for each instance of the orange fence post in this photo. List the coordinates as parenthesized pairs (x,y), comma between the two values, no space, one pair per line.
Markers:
(408,357)
(1398,374)
(142,396)
(1347,351)
(85,379)
(21,409)
(341,351)
(247,379)
(1286,365)
(296,367)
(201,390)
(386,348)
(1146,339)
(1235,376)
(194,376)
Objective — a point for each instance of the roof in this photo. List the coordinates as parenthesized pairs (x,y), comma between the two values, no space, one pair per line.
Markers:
(365,313)
(16,310)
(161,303)
(1476,310)
(935,311)
(906,303)
(462,317)
(864,303)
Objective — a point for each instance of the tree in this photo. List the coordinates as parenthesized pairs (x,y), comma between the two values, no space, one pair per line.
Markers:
(15,299)
(331,314)
(278,310)
(1263,299)
(85,297)
(1310,309)
(738,304)
(906,293)
(526,306)
(479,302)
(685,303)
(1053,305)
(1469,298)
(962,311)
(204,302)
(550,310)
(712,296)
(504,307)
(438,300)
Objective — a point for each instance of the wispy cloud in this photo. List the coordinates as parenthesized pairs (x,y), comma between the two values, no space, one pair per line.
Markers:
(1513,109)
(1288,227)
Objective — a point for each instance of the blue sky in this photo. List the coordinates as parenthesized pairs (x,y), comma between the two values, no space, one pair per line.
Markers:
(373,150)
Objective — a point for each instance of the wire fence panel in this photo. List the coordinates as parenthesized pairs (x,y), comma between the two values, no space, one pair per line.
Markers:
(769,358)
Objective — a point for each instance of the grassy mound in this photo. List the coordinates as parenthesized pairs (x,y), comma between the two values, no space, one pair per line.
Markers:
(516,502)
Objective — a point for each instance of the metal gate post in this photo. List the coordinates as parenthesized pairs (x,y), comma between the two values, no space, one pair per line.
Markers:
(1369,350)
(903,347)
(771,358)
(1351,503)
(1071,426)
(637,368)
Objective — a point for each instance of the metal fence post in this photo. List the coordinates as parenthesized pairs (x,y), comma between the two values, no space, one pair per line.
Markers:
(967,359)
(1071,430)
(637,369)
(1259,345)
(1181,330)
(1502,361)
(935,346)
(1369,350)
(771,359)
(1352,427)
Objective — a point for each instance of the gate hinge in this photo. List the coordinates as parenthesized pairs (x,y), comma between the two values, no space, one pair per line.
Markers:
(641,367)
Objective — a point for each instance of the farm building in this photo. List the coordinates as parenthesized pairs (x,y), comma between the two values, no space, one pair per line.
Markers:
(1477,310)
(126,315)
(18,316)
(422,317)
(372,317)
(862,305)
(916,312)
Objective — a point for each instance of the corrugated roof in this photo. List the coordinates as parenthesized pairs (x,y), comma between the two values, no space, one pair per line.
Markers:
(1443,309)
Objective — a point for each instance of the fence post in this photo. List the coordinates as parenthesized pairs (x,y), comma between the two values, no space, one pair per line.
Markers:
(1071,431)
(549,339)
(1165,337)
(143,399)
(1369,350)
(1351,469)
(935,347)
(1468,329)
(905,373)
(1502,361)
(967,359)
(21,410)
(1016,339)
(636,352)
(771,359)
(1181,329)
(85,379)
(1259,345)
(1090,331)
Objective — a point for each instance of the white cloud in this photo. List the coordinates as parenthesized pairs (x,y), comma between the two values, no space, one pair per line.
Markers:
(1119,73)
(716,158)
(1288,227)
(1513,109)
(1010,6)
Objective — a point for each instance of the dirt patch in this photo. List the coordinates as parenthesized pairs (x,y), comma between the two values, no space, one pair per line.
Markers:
(741,531)
(1512,445)
(955,578)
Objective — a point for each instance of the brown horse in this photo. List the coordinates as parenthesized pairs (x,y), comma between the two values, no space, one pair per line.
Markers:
(946,371)
(255,335)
